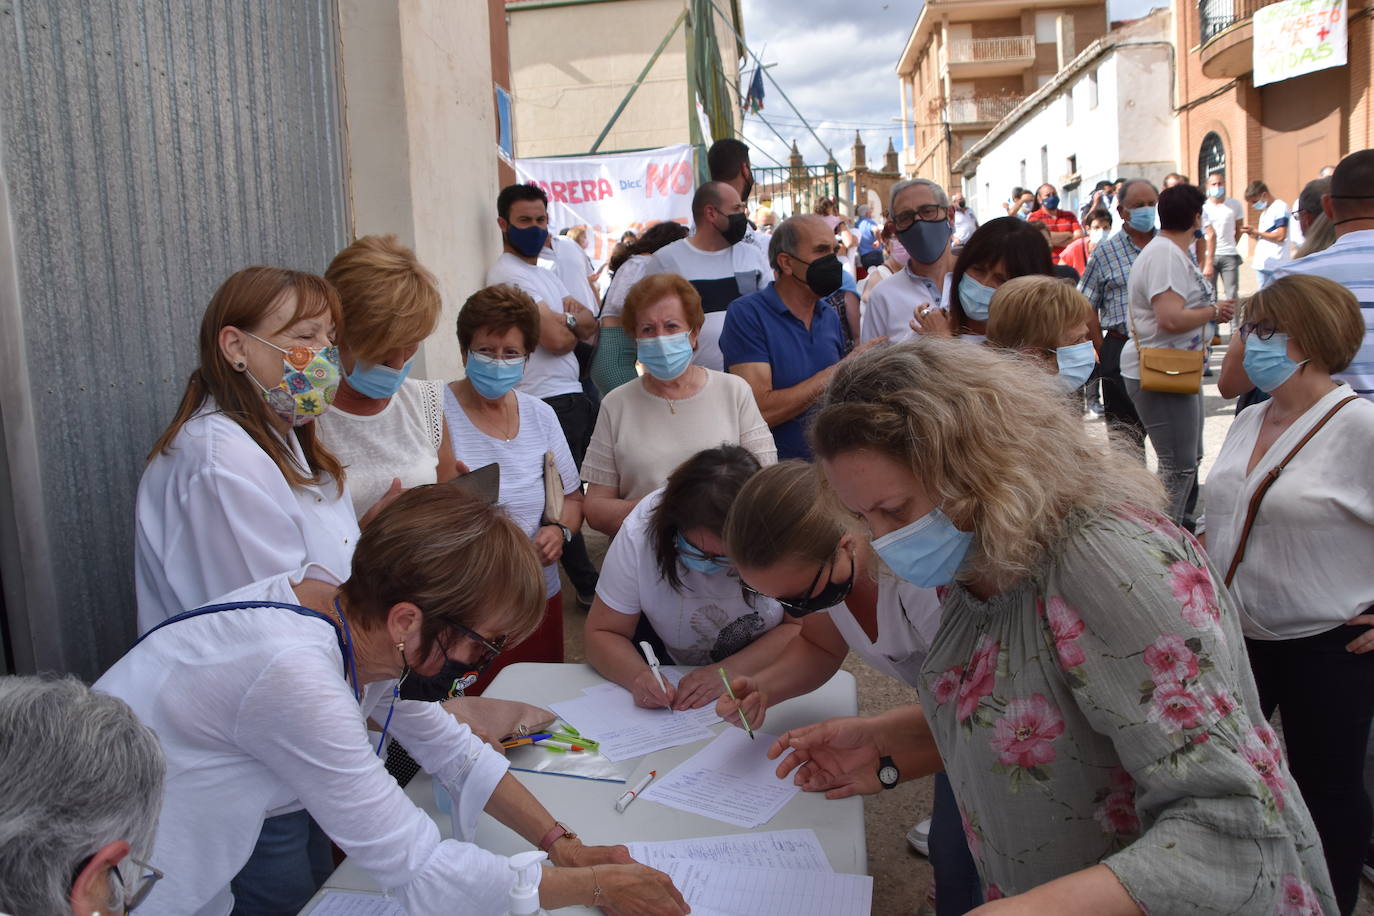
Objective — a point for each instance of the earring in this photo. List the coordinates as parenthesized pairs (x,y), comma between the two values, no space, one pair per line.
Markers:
(405,665)
(240,365)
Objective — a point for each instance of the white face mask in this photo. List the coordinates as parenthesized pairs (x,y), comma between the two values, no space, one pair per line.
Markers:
(1096,235)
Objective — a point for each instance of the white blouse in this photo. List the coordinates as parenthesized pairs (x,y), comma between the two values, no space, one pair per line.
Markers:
(1306,566)
(908,618)
(401,440)
(254,714)
(214,514)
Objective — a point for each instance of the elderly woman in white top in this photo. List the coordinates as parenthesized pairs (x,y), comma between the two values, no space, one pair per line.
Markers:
(262,701)
(386,428)
(1170,306)
(614,362)
(650,426)
(1301,578)
(492,423)
(83,783)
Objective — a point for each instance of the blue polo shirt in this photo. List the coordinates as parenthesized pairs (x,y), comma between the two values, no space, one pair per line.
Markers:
(760,329)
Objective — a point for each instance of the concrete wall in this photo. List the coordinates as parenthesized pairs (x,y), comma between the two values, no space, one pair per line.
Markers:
(422,163)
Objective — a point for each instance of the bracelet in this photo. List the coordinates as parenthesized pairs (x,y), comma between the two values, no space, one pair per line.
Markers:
(596,887)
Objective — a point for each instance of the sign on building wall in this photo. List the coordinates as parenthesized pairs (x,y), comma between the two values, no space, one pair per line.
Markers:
(610,194)
(1296,37)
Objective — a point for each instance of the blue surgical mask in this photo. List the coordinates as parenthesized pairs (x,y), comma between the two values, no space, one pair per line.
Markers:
(1217,191)
(493,377)
(695,560)
(1051,202)
(665,357)
(1142,219)
(529,241)
(1267,362)
(375,380)
(928,552)
(1075,364)
(975,297)
(1258,205)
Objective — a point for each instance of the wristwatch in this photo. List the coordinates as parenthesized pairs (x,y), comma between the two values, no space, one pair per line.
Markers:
(571,320)
(557,832)
(887,773)
(567,534)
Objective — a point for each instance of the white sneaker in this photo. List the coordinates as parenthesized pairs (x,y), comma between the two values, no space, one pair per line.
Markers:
(919,837)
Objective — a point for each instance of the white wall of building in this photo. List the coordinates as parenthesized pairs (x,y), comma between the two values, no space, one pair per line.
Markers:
(1113,118)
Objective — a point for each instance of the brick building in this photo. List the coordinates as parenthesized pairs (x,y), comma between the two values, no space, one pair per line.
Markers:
(1283,132)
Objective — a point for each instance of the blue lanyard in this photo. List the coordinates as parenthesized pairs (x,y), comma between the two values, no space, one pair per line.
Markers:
(353,670)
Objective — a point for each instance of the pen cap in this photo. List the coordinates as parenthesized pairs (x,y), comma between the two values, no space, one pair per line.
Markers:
(524,896)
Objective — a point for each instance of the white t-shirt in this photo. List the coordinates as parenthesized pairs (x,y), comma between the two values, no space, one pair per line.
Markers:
(573,267)
(521,460)
(626,276)
(400,441)
(760,240)
(875,276)
(214,514)
(546,375)
(720,277)
(1162,265)
(1269,255)
(894,301)
(253,711)
(1224,216)
(640,439)
(1303,571)
(708,620)
(908,618)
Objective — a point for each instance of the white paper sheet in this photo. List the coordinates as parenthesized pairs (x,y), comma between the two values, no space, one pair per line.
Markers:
(738,891)
(797,849)
(731,780)
(356,903)
(703,715)
(624,729)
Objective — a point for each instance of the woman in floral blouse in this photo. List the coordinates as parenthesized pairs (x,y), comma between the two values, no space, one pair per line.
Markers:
(1088,689)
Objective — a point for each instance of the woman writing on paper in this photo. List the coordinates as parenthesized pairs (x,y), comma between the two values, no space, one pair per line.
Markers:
(1102,732)
(263,701)
(667,567)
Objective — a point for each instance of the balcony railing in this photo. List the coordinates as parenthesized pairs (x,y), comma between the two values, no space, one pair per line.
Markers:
(988,50)
(987,108)
(1217,16)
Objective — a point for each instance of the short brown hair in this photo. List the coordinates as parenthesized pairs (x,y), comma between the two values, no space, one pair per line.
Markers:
(458,559)
(1033,312)
(389,300)
(1321,316)
(656,287)
(498,308)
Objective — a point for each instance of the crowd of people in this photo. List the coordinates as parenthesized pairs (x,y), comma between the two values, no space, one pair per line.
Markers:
(802,438)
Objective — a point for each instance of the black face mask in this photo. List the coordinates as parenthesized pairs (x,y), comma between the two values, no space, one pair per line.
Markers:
(806,603)
(748,188)
(736,225)
(823,276)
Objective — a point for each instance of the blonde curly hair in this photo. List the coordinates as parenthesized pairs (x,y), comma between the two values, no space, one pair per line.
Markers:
(991,437)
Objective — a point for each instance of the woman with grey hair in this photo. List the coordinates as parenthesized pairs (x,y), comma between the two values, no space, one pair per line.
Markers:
(83,786)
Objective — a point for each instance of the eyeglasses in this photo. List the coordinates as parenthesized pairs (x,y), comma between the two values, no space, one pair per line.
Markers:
(135,895)
(807,603)
(490,647)
(930,213)
(1261,330)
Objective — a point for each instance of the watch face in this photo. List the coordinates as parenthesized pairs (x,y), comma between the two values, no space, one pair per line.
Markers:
(887,775)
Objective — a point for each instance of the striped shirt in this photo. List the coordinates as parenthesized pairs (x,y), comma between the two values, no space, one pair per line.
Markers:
(1105,280)
(1350,262)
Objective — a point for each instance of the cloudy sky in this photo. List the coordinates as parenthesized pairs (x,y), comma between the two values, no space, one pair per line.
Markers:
(836,61)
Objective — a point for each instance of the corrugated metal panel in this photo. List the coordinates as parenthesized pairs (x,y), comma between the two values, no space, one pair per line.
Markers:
(150,149)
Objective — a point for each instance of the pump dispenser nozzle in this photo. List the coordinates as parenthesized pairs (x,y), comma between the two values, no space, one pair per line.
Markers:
(524,897)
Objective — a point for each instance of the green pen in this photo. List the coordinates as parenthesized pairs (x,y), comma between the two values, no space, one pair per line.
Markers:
(740,711)
(552,748)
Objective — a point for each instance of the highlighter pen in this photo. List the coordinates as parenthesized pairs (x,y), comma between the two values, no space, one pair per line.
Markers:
(740,711)
(623,801)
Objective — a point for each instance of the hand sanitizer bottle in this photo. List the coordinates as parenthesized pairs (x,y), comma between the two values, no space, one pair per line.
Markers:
(524,897)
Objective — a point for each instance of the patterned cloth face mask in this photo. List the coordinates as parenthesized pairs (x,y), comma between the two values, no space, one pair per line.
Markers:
(309,381)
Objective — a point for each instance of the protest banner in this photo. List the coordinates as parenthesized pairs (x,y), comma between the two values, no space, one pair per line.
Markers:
(610,194)
(1296,37)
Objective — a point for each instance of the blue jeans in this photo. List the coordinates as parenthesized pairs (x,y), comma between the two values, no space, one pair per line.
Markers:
(957,886)
(291,861)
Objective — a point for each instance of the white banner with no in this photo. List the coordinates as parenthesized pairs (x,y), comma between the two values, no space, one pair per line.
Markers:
(613,193)
(1296,37)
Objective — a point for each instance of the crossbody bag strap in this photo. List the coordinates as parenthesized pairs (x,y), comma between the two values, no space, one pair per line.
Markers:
(1268,482)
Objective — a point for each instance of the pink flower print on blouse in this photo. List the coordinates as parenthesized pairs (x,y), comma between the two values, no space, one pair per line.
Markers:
(946,686)
(1260,750)
(979,678)
(1170,660)
(971,837)
(1024,737)
(1296,898)
(1175,708)
(1116,806)
(1223,703)
(993,893)
(1192,586)
(1066,626)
